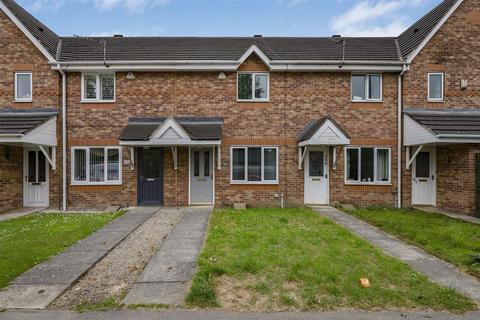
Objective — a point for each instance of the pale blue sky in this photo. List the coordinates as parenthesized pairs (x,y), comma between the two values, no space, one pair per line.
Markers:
(228,17)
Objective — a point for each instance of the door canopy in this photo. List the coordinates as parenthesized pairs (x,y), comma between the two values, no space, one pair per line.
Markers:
(323,132)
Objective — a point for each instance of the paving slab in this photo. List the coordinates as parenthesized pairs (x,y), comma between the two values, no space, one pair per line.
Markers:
(17,213)
(449,213)
(165,278)
(436,269)
(42,284)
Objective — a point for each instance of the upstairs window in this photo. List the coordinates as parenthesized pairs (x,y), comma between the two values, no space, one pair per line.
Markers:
(252,86)
(366,87)
(98,87)
(23,86)
(367,165)
(435,86)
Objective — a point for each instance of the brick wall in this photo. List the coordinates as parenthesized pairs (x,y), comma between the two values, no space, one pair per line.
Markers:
(295,100)
(19,54)
(454,50)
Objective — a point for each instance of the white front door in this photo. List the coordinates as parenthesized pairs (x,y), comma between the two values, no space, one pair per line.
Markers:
(35,180)
(201,176)
(316,176)
(424,177)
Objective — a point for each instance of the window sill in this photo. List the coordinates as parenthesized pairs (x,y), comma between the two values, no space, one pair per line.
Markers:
(97,101)
(253,101)
(23,101)
(254,183)
(368,183)
(436,101)
(367,101)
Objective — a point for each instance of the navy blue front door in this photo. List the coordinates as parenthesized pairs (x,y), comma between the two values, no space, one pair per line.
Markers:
(150,176)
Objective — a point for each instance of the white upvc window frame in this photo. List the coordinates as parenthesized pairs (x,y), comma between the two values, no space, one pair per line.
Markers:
(367,84)
(245,181)
(375,151)
(441,99)
(254,74)
(87,162)
(98,87)
(17,99)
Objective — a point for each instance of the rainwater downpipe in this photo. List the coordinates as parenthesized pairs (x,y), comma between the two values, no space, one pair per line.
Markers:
(64,137)
(399,138)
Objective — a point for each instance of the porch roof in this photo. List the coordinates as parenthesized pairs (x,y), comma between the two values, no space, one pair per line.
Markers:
(324,131)
(33,126)
(423,126)
(172,131)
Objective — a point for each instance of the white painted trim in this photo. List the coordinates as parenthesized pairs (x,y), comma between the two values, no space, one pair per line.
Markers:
(428,86)
(433,171)
(262,181)
(326,168)
(45,134)
(30,36)
(98,87)
(258,52)
(375,150)
(415,154)
(316,139)
(170,123)
(87,163)
(25,174)
(190,175)
(414,54)
(254,74)
(367,87)
(17,99)
(51,160)
(172,142)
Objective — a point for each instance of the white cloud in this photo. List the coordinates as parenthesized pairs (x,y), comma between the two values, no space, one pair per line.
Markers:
(38,5)
(133,6)
(373,18)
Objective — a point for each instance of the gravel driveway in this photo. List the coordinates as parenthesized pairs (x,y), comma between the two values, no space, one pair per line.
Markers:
(115,274)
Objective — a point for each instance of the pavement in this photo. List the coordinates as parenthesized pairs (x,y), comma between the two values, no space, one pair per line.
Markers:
(166,277)
(449,213)
(17,213)
(42,284)
(436,269)
(176,314)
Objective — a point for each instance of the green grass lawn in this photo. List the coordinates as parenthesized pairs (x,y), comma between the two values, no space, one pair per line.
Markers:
(453,240)
(294,259)
(29,240)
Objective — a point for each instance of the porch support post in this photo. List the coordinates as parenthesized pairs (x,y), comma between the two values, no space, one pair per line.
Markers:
(219,157)
(334,167)
(414,156)
(301,156)
(47,156)
(175,157)
(131,156)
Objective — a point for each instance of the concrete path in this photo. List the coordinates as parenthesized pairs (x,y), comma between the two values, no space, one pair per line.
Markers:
(436,269)
(172,314)
(42,284)
(17,213)
(449,213)
(165,278)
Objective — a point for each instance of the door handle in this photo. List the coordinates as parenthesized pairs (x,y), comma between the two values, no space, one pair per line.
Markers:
(433,177)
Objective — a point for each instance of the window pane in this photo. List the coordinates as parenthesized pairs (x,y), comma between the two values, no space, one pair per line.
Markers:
(261,86)
(24,89)
(97,164)
(254,164)
(113,165)
(196,164)
(80,165)
(383,169)
(245,86)
(206,164)
(238,170)
(270,164)
(32,166)
(374,87)
(358,87)
(435,86)
(366,165)
(107,81)
(352,165)
(42,166)
(90,87)
(422,165)
(315,163)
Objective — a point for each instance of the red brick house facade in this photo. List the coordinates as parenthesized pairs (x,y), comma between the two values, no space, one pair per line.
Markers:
(252,120)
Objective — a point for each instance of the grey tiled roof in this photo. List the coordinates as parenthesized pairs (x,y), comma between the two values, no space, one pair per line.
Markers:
(448,122)
(47,37)
(198,128)
(21,122)
(411,38)
(313,127)
(196,48)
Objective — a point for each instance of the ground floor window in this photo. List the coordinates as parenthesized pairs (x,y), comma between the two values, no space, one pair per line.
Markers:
(367,165)
(96,165)
(254,164)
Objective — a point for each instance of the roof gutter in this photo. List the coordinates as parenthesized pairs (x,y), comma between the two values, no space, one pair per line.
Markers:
(13,135)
